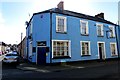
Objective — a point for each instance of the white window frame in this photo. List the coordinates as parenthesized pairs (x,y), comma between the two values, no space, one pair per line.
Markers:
(88,48)
(113,30)
(87,29)
(115,49)
(102,30)
(69,42)
(65,24)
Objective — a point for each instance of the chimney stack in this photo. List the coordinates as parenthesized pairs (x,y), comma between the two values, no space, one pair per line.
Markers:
(100,15)
(61,5)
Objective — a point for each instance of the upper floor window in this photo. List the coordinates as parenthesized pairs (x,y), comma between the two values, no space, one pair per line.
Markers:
(85,48)
(84,27)
(61,24)
(100,31)
(113,49)
(112,31)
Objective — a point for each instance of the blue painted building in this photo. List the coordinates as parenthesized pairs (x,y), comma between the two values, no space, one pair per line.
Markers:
(57,35)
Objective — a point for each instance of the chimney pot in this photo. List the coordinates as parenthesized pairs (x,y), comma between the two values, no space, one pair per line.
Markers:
(100,15)
(61,5)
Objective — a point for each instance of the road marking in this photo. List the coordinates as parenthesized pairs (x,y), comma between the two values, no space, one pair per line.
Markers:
(44,71)
(36,69)
(74,66)
(31,68)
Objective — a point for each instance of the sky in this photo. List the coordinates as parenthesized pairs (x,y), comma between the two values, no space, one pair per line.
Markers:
(14,13)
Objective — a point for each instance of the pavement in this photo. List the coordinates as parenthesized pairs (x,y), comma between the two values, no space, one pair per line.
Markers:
(26,66)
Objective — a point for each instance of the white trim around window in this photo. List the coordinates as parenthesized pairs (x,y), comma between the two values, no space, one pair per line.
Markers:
(89,49)
(101,30)
(61,24)
(115,47)
(86,31)
(69,47)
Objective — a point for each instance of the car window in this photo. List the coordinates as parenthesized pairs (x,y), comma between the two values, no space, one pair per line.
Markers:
(12,55)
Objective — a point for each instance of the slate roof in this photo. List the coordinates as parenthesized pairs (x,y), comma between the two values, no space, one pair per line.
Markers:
(75,14)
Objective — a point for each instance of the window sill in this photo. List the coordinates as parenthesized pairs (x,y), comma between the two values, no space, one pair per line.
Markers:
(85,34)
(114,55)
(100,36)
(62,32)
(62,57)
(111,37)
(85,55)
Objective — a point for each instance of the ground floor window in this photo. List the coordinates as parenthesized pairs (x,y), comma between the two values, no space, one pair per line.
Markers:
(61,48)
(113,49)
(85,48)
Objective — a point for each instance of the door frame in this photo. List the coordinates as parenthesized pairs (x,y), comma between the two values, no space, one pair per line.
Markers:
(98,49)
(37,53)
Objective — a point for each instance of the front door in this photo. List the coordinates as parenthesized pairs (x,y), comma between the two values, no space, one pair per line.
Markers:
(101,51)
(41,55)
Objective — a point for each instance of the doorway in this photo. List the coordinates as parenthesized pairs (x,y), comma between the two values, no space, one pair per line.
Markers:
(101,50)
(41,55)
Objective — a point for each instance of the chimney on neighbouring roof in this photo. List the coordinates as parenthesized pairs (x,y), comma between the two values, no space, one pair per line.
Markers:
(60,5)
(100,15)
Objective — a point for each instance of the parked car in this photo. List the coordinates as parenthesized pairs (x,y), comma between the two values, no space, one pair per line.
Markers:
(0,53)
(11,58)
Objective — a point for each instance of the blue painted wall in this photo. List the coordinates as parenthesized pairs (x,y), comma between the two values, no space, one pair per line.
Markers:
(74,35)
(27,40)
(41,32)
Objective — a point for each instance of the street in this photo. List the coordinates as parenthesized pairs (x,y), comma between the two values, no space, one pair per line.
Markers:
(10,72)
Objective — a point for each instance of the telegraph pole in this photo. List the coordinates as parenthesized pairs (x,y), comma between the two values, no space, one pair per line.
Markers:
(21,45)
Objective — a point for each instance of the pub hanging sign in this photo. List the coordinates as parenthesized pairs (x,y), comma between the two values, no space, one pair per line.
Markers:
(41,43)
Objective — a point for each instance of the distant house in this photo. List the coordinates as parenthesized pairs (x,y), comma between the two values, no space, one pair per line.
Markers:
(58,35)
(22,48)
(2,47)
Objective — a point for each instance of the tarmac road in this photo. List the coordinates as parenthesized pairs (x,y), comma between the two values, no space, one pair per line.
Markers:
(10,72)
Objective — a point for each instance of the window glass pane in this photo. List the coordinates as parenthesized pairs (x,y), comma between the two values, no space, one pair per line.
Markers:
(113,50)
(100,30)
(84,30)
(82,44)
(83,52)
(112,34)
(54,53)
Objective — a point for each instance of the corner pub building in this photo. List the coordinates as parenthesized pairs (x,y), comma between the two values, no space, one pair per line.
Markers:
(58,35)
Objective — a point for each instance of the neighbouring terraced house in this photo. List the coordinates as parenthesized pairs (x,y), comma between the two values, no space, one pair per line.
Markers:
(2,48)
(58,35)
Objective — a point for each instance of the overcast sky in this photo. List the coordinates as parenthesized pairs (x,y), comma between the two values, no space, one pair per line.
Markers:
(14,13)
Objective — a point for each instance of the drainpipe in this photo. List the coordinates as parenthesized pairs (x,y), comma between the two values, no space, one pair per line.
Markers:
(50,36)
(21,46)
(117,40)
